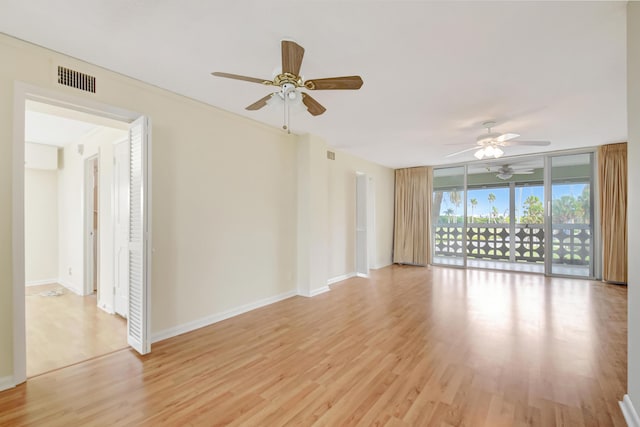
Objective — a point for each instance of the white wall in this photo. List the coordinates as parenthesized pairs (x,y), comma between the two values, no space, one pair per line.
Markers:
(40,156)
(41,226)
(342,212)
(633,159)
(71,212)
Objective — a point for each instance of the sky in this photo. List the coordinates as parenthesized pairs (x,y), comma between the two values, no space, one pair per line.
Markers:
(502,198)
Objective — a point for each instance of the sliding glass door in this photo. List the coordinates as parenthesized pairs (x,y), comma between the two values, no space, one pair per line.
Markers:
(530,214)
(570,213)
(448,216)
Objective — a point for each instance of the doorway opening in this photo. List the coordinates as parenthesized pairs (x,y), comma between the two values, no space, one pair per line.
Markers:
(69,317)
(64,230)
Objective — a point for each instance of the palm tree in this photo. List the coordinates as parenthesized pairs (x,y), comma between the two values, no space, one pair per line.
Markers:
(533,211)
(492,198)
(474,203)
(455,199)
(494,212)
(449,212)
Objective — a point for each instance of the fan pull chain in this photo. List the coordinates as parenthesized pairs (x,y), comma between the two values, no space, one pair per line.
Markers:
(286,113)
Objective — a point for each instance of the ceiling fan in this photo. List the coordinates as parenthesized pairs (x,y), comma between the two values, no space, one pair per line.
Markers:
(289,82)
(506,172)
(490,144)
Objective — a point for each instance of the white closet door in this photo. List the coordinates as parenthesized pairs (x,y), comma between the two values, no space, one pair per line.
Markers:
(362,258)
(138,319)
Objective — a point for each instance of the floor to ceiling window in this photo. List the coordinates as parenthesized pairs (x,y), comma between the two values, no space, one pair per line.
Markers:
(502,219)
(571,252)
(449,216)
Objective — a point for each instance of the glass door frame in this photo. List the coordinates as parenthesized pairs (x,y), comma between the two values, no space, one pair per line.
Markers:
(464,222)
(595,249)
(595,265)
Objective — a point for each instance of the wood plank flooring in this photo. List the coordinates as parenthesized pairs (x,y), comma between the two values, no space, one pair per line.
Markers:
(64,328)
(408,347)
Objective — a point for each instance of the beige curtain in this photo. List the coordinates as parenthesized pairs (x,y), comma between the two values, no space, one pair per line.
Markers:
(612,173)
(412,225)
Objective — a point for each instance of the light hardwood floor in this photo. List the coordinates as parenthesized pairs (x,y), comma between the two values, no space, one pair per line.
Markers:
(409,347)
(64,328)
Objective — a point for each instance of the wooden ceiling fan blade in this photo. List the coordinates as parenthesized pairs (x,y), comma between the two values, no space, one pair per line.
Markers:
(259,103)
(335,83)
(313,106)
(239,77)
(463,151)
(536,143)
(292,54)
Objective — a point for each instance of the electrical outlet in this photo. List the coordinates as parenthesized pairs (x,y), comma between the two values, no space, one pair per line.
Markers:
(70,271)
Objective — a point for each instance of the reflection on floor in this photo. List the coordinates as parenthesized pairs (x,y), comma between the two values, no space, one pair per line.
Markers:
(64,328)
(409,346)
(525,267)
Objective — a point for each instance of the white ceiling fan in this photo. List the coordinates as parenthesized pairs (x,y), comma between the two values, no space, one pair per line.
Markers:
(505,172)
(490,144)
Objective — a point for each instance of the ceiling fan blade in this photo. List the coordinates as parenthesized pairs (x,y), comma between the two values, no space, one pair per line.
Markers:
(506,137)
(523,172)
(463,151)
(537,143)
(292,54)
(259,103)
(313,106)
(239,77)
(348,82)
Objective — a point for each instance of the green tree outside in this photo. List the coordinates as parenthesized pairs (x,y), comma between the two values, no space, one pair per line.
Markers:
(533,211)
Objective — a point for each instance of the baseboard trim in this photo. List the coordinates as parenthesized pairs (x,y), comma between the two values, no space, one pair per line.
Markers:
(6,383)
(69,286)
(379,266)
(315,292)
(364,276)
(629,412)
(215,318)
(41,282)
(340,278)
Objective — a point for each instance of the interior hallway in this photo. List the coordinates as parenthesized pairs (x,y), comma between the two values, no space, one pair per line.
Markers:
(64,328)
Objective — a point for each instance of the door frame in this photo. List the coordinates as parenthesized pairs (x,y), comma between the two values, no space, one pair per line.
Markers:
(91,259)
(23,92)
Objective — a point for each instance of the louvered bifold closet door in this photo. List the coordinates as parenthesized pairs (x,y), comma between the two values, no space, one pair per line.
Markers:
(137,325)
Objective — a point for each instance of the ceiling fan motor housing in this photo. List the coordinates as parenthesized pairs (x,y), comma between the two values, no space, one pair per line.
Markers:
(487,138)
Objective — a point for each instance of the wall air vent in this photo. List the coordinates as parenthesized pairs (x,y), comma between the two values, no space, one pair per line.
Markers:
(331,155)
(72,78)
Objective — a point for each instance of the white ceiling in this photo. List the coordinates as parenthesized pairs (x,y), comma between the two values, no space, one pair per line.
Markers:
(42,128)
(433,71)
(59,126)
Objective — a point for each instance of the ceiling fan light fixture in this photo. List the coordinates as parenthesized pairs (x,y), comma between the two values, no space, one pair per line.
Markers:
(504,175)
(489,151)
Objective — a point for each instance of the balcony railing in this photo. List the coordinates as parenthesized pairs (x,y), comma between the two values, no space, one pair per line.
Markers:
(571,242)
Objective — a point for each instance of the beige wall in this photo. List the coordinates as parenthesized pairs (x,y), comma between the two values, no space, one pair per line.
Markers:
(40,226)
(633,100)
(342,212)
(226,194)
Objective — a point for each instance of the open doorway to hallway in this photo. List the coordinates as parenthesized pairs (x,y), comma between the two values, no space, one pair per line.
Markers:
(69,237)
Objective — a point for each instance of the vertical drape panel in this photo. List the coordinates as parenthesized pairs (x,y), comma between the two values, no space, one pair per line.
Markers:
(612,173)
(412,223)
